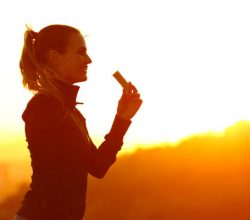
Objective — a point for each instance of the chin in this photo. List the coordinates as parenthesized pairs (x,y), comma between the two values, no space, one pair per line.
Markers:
(81,80)
(84,78)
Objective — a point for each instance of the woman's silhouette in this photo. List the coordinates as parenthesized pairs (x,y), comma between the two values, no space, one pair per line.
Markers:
(61,150)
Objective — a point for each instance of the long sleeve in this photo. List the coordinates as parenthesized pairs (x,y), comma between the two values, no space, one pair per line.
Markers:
(102,158)
(43,128)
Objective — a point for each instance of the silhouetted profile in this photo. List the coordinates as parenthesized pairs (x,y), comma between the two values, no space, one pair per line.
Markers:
(61,150)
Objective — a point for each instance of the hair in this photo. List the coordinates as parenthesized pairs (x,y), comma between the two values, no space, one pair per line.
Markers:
(37,75)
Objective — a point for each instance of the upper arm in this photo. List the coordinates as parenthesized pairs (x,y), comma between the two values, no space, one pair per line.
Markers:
(43,128)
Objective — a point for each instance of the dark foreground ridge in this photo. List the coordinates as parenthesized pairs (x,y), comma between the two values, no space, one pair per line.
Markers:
(205,177)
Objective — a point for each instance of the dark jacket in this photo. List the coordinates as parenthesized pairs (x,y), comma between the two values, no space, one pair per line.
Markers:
(62,156)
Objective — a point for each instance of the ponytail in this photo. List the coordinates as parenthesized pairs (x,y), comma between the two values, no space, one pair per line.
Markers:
(28,64)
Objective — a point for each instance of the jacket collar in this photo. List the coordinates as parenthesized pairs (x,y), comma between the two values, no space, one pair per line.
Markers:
(69,92)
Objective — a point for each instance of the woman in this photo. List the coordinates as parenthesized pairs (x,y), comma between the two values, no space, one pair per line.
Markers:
(62,153)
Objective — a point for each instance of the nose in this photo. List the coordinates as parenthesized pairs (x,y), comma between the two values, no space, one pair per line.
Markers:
(88,59)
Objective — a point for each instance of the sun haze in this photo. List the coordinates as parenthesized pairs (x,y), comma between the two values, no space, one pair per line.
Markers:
(188,59)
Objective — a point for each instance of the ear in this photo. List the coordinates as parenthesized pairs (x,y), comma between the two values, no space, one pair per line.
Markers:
(54,58)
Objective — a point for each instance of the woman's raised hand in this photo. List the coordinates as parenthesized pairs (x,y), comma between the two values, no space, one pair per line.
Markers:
(129,102)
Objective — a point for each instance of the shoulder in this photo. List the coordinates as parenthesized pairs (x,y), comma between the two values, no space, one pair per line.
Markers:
(41,101)
(40,104)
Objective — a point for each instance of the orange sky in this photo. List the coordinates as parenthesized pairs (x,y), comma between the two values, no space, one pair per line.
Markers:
(189,60)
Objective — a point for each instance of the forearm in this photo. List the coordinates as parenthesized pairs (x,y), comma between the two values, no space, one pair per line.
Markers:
(105,155)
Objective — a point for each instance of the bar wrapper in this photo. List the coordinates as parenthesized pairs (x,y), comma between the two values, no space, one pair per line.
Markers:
(120,79)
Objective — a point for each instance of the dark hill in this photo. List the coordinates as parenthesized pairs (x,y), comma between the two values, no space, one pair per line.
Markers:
(205,177)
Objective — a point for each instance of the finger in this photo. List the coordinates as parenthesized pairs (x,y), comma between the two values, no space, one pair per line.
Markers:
(131,88)
(136,95)
(136,102)
(127,88)
(134,89)
(132,95)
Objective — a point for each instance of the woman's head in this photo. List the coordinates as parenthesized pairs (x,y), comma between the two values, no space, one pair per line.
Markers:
(55,52)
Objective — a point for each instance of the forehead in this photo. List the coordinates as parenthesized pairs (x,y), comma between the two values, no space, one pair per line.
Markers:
(76,41)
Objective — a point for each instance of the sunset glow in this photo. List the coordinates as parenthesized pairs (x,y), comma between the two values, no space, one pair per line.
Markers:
(188,59)
(186,154)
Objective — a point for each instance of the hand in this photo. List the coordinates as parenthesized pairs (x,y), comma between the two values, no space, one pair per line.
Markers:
(129,102)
